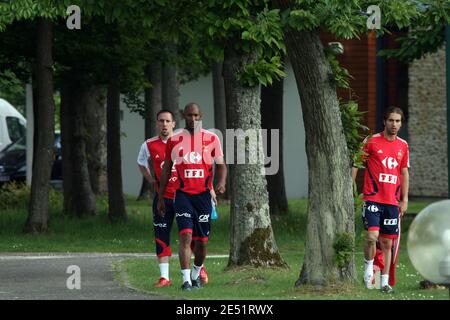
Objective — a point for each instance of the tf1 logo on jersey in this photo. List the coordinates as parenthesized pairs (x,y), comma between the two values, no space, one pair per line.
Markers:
(194,173)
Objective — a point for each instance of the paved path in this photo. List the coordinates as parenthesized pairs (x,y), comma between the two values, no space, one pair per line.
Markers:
(43,277)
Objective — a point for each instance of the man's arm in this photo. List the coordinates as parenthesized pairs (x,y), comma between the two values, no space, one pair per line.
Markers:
(354,173)
(405,189)
(165,175)
(146,173)
(221,172)
(148,176)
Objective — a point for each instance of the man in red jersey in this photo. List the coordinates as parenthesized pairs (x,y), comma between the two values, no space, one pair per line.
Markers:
(194,150)
(385,192)
(153,150)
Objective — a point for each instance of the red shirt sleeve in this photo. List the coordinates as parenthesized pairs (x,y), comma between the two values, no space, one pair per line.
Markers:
(169,148)
(217,148)
(405,160)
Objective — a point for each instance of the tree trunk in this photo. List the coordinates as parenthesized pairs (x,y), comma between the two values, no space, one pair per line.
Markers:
(45,124)
(220,112)
(95,124)
(116,202)
(252,240)
(79,199)
(272,118)
(152,106)
(66,150)
(170,86)
(330,199)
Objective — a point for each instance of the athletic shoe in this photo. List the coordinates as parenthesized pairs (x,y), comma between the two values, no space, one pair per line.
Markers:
(203,276)
(186,286)
(387,289)
(368,282)
(163,282)
(196,284)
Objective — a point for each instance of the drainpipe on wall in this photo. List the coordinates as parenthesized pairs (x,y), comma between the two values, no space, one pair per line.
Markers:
(380,86)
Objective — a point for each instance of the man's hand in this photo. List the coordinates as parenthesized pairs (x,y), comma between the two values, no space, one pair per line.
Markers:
(154,186)
(403,206)
(161,207)
(220,187)
(213,196)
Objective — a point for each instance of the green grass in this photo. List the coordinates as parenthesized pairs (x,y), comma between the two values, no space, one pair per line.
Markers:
(96,234)
(258,284)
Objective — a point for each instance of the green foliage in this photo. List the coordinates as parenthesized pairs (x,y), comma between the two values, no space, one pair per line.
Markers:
(344,247)
(262,72)
(341,74)
(247,27)
(427,34)
(351,117)
(354,131)
(17,196)
(12,90)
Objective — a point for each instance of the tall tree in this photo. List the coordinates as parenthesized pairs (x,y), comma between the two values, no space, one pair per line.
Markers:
(79,198)
(220,110)
(44,108)
(116,201)
(95,125)
(171,83)
(272,119)
(253,43)
(330,202)
(153,103)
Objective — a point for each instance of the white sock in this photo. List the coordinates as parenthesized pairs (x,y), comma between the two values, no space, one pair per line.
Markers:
(186,273)
(368,268)
(195,271)
(384,280)
(164,270)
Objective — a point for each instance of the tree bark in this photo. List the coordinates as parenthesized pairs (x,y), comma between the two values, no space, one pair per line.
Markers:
(152,106)
(220,112)
(44,134)
(171,86)
(79,199)
(272,119)
(95,124)
(116,202)
(252,239)
(330,199)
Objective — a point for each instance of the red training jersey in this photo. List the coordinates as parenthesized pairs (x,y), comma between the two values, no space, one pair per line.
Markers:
(157,148)
(194,156)
(385,159)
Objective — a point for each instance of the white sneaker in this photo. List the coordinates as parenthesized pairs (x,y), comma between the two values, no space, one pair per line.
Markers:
(387,289)
(368,282)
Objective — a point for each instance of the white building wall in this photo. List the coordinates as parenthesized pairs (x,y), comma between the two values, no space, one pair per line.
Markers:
(200,91)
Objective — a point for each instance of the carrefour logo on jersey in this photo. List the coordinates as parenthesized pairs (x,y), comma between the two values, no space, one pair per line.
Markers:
(193,157)
(390,163)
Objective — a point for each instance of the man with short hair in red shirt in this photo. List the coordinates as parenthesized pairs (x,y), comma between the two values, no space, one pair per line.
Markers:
(385,192)
(151,158)
(194,150)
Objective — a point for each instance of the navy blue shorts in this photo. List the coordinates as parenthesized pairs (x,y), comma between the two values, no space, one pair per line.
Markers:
(192,213)
(381,217)
(162,227)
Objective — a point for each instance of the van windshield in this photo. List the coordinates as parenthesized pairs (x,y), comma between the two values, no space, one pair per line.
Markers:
(16,129)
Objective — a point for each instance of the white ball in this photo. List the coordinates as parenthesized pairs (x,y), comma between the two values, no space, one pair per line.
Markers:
(429,240)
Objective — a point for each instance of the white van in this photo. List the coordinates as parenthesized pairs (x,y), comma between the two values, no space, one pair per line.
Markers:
(12,124)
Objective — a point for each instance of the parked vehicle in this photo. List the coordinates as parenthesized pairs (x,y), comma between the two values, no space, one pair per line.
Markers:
(12,124)
(13,161)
